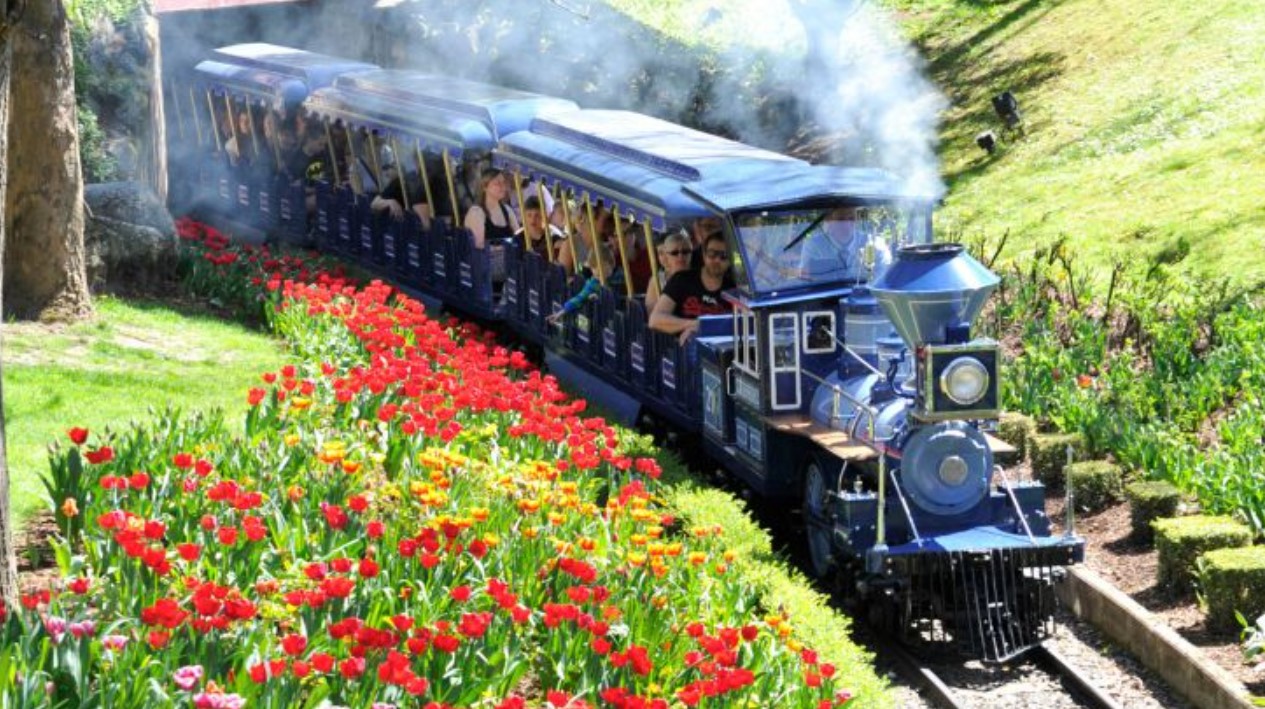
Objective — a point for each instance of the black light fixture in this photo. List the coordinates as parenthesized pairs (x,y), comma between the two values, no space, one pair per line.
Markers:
(986,141)
(1007,108)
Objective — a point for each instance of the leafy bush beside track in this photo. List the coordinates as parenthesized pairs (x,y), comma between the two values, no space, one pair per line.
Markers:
(1164,374)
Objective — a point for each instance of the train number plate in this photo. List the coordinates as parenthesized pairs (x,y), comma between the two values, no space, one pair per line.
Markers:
(533,302)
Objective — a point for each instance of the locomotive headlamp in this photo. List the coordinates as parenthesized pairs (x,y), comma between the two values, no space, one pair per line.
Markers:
(964,381)
(958,381)
(953,470)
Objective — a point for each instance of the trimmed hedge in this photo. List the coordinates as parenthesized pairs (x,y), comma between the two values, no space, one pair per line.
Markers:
(1017,429)
(1049,455)
(1181,540)
(1150,500)
(1232,580)
(1095,484)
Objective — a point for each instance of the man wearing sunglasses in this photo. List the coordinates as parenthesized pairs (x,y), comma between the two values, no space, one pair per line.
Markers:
(696,292)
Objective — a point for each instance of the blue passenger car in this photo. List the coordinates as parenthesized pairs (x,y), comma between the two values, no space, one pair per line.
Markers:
(439,130)
(242,95)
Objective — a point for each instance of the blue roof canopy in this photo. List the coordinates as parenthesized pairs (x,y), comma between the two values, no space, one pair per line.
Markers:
(277,77)
(667,173)
(502,110)
(434,130)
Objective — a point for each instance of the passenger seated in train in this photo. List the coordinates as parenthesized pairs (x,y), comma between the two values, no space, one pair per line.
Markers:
(534,227)
(533,188)
(696,292)
(490,219)
(600,262)
(633,249)
(236,146)
(699,231)
(584,230)
(674,257)
(390,201)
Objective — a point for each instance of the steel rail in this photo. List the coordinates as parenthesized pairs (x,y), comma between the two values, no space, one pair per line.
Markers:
(1072,678)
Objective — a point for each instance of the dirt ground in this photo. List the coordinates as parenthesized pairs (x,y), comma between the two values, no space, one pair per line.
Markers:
(1130,566)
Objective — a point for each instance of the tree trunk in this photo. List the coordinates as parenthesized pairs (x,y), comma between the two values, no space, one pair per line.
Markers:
(8,557)
(45,274)
(153,137)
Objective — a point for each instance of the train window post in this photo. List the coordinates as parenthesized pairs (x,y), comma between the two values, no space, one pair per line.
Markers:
(421,170)
(592,231)
(197,120)
(540,195)
(623,253)
(452,187)
(215,124)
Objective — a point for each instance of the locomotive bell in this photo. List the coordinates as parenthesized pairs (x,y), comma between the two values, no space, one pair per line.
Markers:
(933,290)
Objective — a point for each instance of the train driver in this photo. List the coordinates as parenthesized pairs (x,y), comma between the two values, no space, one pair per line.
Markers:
(690,294)
(490,218)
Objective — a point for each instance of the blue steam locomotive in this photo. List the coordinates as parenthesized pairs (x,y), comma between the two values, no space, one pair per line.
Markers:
(846,380)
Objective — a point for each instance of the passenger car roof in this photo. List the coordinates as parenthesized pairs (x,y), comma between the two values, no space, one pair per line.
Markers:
(665,172)
(278,77)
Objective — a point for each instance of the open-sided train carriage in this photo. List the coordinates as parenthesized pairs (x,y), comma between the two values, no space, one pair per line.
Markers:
(438,130)
(264,83)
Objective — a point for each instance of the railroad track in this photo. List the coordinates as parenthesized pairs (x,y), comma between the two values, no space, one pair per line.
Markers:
(938,693)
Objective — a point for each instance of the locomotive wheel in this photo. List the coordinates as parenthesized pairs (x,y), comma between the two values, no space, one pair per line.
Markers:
(817,525)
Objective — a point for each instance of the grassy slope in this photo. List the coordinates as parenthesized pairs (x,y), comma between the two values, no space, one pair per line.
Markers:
(112,370)
(1144,121)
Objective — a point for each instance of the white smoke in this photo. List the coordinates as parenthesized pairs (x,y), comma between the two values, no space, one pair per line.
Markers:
(841,87)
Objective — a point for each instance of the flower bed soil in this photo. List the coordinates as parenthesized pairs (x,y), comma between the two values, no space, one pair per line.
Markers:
(1130,566)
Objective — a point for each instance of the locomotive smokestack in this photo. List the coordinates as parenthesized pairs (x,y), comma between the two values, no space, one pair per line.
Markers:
(933,292)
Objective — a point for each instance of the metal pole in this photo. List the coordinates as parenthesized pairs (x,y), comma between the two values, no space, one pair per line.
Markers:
(597,252)
(175,103)
(374,162)
(215,124)
(421,170)
(540,195)
(197,121)
(399,169)
(353,167)
(1070,504)
(571,235)
(254,137)
(623,254)
(452,188)
(333,154)
(232,123)
(522,209)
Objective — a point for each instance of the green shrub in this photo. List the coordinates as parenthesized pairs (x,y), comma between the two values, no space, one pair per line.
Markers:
(1017,429)
(1095,484)
(1181,540)
(1232,580)
(1150,500)
(1049,455)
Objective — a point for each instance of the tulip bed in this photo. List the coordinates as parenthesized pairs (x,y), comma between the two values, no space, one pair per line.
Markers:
(412,516)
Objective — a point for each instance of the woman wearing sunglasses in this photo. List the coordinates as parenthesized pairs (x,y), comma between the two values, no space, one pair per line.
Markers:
(674,257)
(696,292)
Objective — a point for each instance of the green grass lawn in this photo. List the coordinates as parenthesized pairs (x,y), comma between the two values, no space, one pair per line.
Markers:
(1144,125)
(132,357)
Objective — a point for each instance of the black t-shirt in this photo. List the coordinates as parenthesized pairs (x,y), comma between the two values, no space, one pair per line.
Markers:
(692,298)
(395,190)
